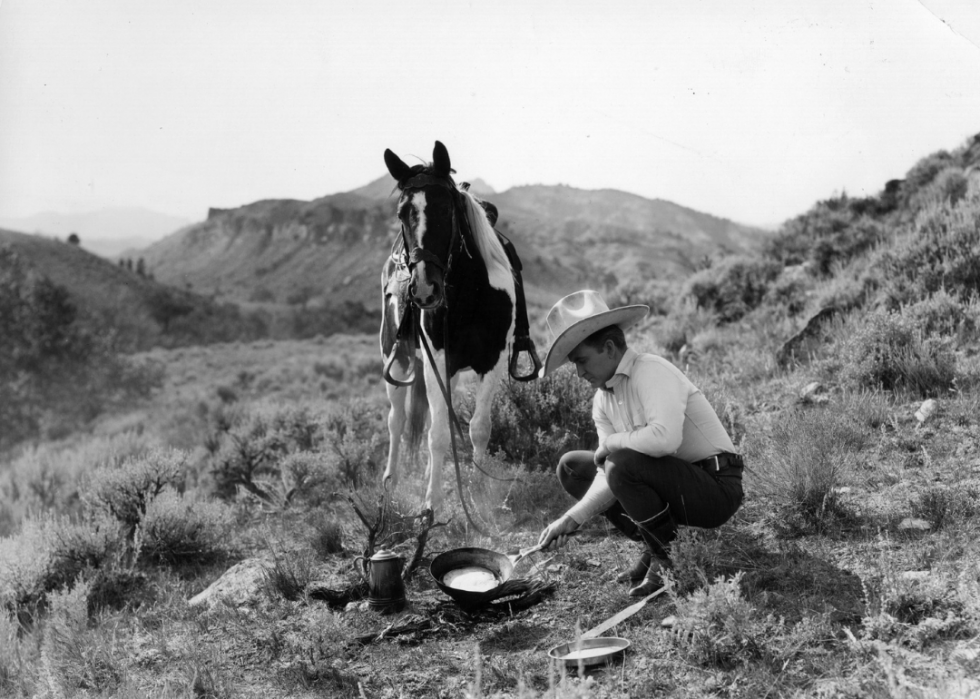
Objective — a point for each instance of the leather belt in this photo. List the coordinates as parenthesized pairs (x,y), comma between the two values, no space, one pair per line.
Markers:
(721,462)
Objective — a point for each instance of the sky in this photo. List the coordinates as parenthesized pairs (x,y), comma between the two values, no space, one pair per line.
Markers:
(748,110)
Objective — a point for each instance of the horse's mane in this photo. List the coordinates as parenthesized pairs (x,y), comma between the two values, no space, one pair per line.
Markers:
(491,250)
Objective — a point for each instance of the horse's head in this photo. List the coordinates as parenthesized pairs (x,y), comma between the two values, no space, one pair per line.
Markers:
(428,213)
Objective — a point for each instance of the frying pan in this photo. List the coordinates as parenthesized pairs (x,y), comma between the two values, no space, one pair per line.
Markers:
(500,565)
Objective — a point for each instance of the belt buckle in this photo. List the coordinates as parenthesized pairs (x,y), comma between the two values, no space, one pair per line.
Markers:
(717,463)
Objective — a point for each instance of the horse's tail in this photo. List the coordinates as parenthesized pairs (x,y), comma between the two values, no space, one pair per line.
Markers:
(418,408)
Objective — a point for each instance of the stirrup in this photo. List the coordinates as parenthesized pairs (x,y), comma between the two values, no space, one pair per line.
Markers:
(521,346)
(412,362)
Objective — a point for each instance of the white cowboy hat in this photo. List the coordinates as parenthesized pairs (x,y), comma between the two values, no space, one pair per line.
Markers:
(577,316)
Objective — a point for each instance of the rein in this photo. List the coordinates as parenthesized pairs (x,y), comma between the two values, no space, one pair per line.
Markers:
(413,255)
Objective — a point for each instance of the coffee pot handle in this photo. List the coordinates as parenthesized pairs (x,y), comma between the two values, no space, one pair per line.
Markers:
(362,569)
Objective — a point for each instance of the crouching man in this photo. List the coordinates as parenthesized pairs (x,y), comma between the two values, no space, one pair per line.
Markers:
(664,458)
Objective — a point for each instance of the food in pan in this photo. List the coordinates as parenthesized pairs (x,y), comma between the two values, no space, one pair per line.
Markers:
(471,578)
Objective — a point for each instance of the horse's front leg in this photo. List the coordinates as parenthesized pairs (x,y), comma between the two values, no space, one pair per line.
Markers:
(480,422)
(397,397)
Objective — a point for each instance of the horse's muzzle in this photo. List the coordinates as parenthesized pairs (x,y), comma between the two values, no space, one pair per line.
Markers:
(426,288)
(427,296)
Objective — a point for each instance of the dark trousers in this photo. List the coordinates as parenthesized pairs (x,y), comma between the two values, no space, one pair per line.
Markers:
(654,495)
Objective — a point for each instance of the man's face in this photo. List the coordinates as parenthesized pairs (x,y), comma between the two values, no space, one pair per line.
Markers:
(595,366)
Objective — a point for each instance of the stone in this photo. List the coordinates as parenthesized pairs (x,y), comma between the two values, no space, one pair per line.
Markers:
(926,410)
(913,524)
(240,585)
(808,341)
(814,392)
(915,575)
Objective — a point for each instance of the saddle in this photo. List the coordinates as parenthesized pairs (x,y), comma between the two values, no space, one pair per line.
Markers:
(398,327)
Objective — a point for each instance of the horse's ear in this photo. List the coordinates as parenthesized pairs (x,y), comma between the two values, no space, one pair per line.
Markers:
(440,160)
(398,169)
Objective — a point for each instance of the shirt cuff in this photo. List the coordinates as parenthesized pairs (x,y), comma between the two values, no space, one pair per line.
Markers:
(598,498)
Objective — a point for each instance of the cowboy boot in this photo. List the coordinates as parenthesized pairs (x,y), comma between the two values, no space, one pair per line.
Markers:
(639,569)
(654,578)
(657,532)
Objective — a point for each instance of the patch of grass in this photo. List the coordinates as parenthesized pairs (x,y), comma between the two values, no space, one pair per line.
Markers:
(801,463)
(289,575)
(943,505)
(70,661)
(326,536)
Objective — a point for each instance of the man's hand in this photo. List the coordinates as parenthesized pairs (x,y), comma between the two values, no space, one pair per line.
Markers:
(557,531)
(600,455)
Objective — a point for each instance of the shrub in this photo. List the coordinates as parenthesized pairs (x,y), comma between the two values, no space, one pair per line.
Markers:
(717,626)
(918,180)
(790,291)
(658,294)
(289,575)
(829,235)
(49,479)
(945,315)
(179,529)
(306,476)
(889,353)
(535,423)
(733,287)
(14,660)
(51,552)
(126,492)
(834,251)
(357,434)
(326,537)
(915,612)
(692,554)
(250,442)
(941,252)
(69,660)
(684,322)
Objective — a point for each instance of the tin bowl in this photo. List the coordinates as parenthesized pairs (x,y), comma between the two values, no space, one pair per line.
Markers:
(590,651)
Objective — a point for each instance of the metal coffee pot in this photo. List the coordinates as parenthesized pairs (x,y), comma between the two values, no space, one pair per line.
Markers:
(383,575)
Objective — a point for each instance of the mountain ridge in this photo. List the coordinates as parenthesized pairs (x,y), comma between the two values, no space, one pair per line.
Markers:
(330,250)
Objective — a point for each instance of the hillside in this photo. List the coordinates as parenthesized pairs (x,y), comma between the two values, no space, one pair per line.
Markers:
(107,232)
(329,251)
(142,312)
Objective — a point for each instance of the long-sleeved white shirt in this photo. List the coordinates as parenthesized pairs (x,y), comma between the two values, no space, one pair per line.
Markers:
(651,407)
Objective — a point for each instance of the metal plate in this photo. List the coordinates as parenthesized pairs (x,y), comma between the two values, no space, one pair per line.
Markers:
(589,651)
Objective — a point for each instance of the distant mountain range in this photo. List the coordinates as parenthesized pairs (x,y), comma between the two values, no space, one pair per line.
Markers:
(330,250)
(310,267)
(108,232)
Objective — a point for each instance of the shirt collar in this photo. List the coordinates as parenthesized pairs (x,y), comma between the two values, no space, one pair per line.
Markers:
(623,371)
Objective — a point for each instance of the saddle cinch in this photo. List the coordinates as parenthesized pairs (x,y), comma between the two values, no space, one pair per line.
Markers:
(399,334)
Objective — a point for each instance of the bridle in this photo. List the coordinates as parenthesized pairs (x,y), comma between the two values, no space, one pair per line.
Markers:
(414,253)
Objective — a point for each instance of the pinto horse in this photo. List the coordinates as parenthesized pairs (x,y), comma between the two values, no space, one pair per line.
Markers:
(449,279)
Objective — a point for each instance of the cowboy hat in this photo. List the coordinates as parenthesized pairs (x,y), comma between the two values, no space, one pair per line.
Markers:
(577,316)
